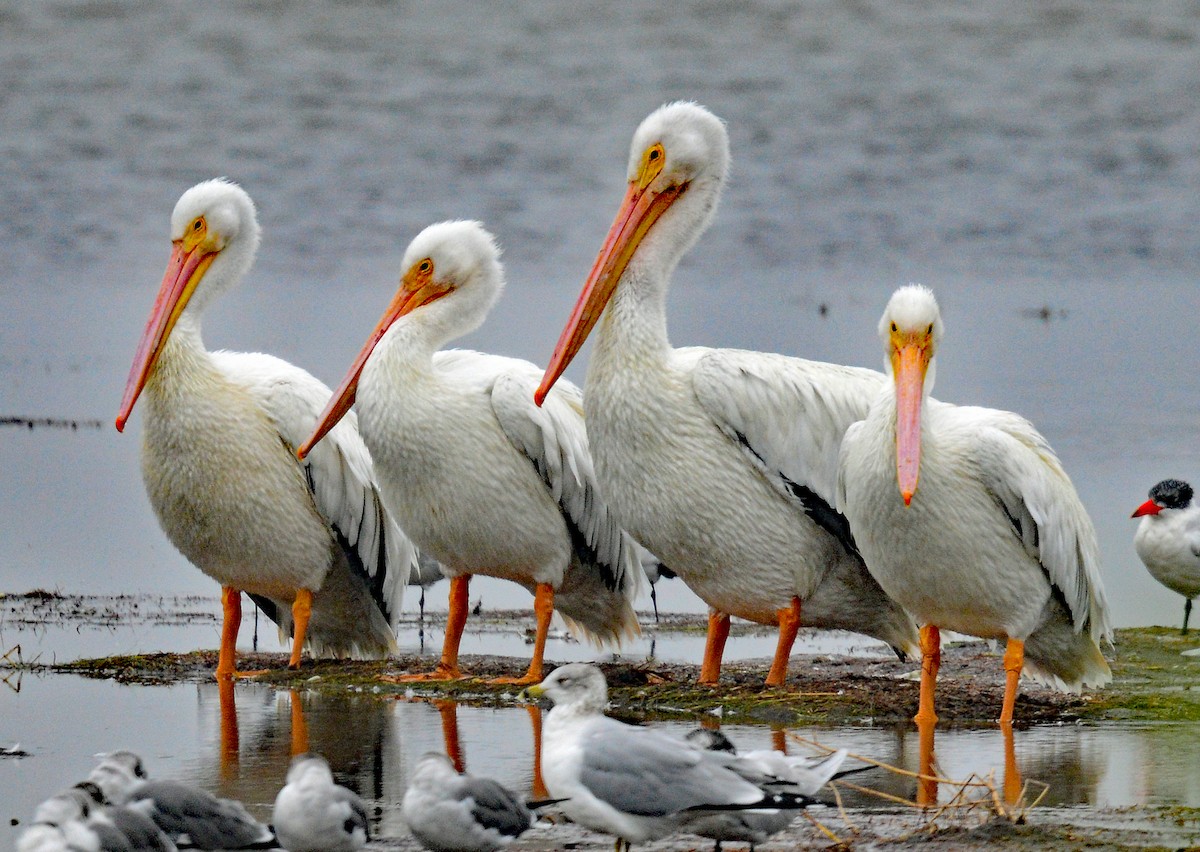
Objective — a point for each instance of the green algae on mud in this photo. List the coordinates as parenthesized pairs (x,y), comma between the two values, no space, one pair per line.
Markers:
(1151,682)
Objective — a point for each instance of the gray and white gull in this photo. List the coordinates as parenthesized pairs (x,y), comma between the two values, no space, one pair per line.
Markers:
(633,782)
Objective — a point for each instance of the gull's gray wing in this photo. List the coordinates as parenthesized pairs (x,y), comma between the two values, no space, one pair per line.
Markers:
(644,772)
(496,807)
(197,818)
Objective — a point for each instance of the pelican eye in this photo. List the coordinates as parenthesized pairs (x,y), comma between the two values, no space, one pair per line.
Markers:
(894,329)
(653,161)
(930,329)
(198,224)
(425,266)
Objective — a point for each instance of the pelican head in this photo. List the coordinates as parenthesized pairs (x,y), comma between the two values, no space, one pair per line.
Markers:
(452,277)
(677,166)
(215,235)
(911,330)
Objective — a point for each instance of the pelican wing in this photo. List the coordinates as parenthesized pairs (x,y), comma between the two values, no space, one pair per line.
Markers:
(788,416)
(554,440)
(338,469)
(1024,475)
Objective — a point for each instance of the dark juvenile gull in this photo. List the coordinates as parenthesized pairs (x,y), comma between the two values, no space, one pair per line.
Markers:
(632,782)
(188,815)
(451,812)
(783,772)
(314,814)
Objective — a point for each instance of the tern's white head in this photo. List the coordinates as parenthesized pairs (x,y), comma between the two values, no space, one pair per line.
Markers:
(911,330)
(1169,496)
(677,166)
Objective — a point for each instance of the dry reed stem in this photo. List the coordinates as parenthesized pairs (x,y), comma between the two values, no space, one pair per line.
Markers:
(821,828)
(896,769)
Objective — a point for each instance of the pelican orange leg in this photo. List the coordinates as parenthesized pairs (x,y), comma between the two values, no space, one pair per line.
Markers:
(301,612)
(714,647)
(789,625)
(456,622)
(1014,661)
(931,661)
(543,606)
(231,606)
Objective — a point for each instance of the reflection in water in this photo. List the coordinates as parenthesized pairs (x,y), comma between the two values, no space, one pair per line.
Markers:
(241,748)
(369,741)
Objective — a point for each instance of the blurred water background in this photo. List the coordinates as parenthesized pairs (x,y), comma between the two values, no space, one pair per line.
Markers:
(1037,164)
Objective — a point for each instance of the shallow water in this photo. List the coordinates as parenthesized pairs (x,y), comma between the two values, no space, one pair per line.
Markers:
(370,743)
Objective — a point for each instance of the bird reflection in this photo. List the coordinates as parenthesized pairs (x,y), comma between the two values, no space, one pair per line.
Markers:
(929,773)
(230,748)
(927,785)
(253,752)
(448,710)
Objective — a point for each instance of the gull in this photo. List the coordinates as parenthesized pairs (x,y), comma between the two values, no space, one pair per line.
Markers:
(762,766)
(632,782)
(188,815)
(449,811)
(60,825)
(314,814)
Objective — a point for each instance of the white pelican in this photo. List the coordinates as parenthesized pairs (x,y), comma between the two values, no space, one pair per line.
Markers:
(312,813)
(1168,540)
(994,542)
(311,543)
(722,462)
(482,479)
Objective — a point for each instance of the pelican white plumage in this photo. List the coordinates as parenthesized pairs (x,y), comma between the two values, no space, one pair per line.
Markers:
(1168,540)
(994,542)
(482,479)
(722,462)
(311,543)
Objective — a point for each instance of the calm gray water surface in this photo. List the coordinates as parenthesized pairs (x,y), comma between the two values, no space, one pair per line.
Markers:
(1038,164)
(371,743)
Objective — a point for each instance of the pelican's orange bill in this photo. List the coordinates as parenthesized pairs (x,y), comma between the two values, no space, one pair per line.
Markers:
(184,271)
